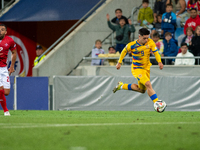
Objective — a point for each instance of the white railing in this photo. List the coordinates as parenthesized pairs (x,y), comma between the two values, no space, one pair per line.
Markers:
(163,58)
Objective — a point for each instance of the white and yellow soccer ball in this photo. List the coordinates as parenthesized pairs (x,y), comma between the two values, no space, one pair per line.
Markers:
(160,106)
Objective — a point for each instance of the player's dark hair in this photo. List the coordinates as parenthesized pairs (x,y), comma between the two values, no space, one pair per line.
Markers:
(156,34)
(1,24)
(144,31)
(145,1)
(118,9)
(169,5)
(184,44)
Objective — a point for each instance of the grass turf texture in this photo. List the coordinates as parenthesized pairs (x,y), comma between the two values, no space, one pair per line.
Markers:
(98,130)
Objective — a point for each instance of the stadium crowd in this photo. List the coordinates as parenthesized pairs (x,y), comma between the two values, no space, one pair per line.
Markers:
(173,24)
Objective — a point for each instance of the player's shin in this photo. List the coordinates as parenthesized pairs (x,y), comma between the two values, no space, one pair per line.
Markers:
(3,100)
(126,86)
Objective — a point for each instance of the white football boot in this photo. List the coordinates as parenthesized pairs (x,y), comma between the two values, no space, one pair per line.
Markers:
(6,113)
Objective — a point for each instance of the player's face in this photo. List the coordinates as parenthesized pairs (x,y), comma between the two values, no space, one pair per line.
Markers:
(3,32)
(98,45)
(143,39)
(184,49)
(112,51)
(118,14)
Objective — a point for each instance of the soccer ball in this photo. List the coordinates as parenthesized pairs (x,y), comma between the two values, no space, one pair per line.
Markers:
(160,106)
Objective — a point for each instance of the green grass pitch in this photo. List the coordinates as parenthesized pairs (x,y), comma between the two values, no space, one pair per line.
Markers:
(100,130)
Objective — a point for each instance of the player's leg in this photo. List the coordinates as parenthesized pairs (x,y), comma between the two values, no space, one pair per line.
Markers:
(131,87)
(151,92)
(144,79)
(5,90)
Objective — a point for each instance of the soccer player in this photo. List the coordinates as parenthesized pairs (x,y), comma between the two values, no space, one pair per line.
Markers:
(6,43)
(141,64)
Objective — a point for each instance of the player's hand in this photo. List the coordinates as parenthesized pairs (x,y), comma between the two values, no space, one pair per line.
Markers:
(108,17)
(118,66)
(160,64)
(11,70)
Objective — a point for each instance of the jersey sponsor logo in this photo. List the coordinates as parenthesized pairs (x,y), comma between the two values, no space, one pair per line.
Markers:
(1,48)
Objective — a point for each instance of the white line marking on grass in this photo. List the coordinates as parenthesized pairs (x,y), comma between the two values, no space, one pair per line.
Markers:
(39,125)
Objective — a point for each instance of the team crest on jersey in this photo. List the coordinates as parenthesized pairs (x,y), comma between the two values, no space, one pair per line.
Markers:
(140,75)
(6,44)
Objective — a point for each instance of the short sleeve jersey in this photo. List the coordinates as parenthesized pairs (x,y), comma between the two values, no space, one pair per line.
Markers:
(141,53)
(5,44)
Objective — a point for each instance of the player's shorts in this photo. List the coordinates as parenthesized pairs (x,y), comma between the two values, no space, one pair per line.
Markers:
(4,78)
(142,75)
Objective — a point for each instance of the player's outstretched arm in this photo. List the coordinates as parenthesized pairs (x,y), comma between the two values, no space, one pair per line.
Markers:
(123,54)
(13,59)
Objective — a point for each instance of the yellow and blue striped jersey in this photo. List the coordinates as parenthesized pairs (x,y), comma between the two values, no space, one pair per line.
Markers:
(141,54)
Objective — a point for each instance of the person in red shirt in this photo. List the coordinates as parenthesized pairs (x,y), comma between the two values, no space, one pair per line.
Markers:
(6,44)
(193,21)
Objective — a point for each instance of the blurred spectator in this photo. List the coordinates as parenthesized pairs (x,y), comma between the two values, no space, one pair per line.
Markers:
(157,26)
(145,16)
(111,53)
(159,8)
(96,51)
(158,42)
(198,7)
(187,39)
(169,20)
(193,21)
(189,35)
(194,46)
(170,48)
(122,30)
(191,4)
(159,45)
(184,53)
(118,14)
(179,9)
(39,51)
